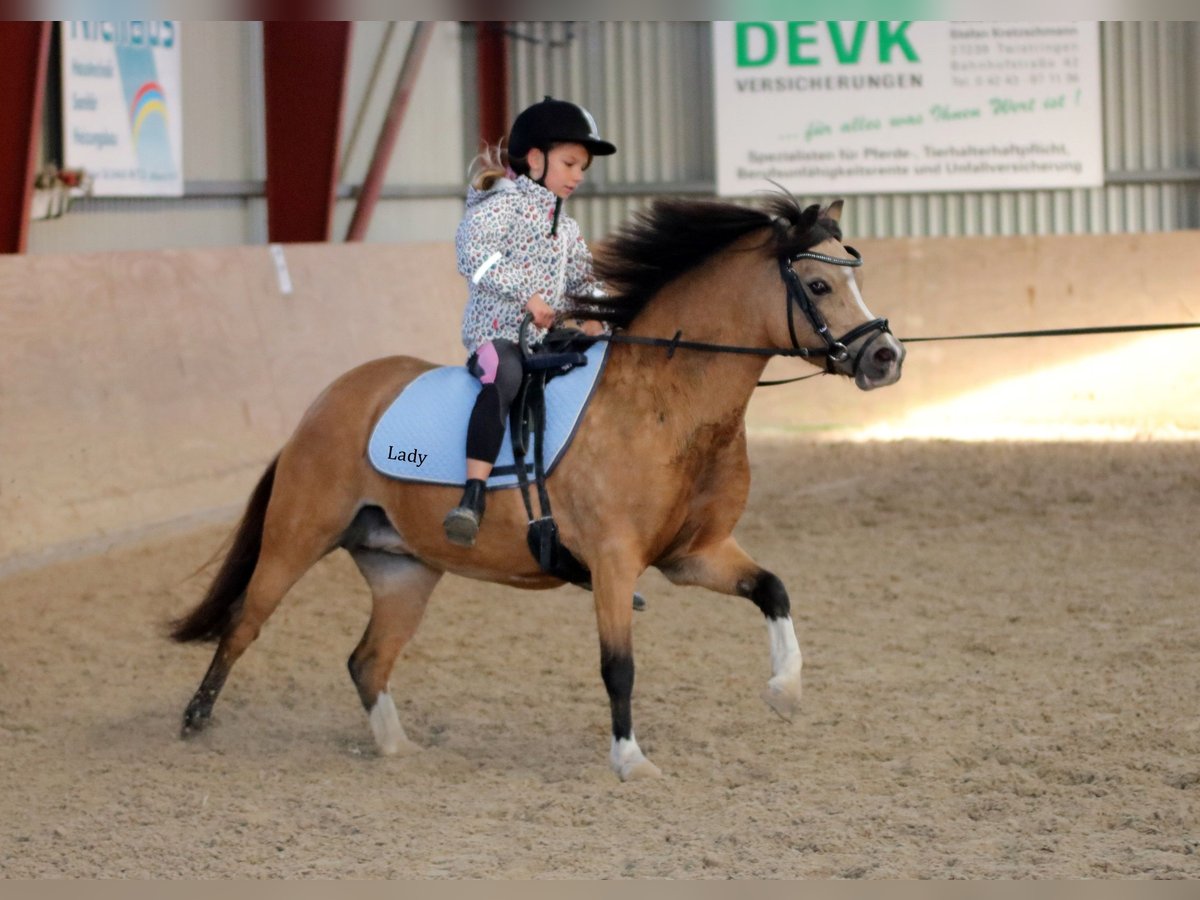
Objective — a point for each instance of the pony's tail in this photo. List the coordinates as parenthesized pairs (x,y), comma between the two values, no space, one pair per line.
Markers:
(212,617)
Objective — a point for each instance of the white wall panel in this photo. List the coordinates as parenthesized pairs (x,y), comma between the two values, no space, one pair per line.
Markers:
(222,144)
(650,86)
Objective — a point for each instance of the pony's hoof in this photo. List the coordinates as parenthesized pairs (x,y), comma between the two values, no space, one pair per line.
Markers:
(628,761)
(390,738)
(193,724)
(402,747)
(784,698)
(639,770)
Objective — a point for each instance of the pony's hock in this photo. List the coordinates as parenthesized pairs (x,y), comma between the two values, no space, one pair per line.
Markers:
(735,286)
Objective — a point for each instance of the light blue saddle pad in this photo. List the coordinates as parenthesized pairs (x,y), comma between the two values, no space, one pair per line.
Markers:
(422,436)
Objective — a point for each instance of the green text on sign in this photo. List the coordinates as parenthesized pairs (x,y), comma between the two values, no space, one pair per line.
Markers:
(758,43)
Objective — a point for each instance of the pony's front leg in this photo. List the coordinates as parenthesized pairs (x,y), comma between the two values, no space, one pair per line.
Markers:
(725,567)
(613,581)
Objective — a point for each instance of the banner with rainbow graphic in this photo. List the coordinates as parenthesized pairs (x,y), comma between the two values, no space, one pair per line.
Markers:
(122,115)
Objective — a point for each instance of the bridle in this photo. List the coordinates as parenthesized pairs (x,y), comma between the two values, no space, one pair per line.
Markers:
(834,350)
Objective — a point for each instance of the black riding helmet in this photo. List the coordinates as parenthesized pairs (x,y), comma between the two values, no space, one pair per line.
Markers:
(552,122)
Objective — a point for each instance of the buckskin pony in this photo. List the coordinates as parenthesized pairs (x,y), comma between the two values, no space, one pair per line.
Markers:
(703,293)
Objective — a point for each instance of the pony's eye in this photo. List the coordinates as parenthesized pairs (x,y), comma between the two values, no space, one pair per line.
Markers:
(818,287)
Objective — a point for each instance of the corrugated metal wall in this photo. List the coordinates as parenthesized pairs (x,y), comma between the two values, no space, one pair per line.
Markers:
(650,86)
(426,178)
(224,154)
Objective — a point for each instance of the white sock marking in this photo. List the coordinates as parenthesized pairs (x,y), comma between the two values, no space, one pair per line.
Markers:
(785,649)
(625,754)
(385,725)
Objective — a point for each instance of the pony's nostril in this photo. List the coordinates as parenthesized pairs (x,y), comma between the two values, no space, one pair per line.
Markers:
(885,356)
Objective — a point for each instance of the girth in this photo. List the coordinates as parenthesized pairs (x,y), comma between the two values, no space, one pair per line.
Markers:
(559,352)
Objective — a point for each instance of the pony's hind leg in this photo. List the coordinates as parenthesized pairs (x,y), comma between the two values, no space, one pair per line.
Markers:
(726,568)
(279,567)
(400,589)
(294,538)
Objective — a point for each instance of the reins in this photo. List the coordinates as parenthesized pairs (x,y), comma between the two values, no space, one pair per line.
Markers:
(808,352)
(676,343)
(1056,332)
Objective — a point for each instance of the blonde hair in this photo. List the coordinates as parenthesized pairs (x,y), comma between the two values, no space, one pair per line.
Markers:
(489,167)
(494,163)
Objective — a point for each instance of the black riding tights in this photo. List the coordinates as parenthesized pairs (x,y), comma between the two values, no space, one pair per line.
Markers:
(498,365)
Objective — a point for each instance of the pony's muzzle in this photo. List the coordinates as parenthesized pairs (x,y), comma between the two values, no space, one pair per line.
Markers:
(877,363)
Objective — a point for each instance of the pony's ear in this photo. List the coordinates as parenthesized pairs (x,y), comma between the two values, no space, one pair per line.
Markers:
(833,211)
(809,217)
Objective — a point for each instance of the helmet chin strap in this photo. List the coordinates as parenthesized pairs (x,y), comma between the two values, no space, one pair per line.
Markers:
(557,200)
(541,179)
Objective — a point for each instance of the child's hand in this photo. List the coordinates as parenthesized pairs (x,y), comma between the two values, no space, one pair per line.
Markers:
(543,313)
(591,327)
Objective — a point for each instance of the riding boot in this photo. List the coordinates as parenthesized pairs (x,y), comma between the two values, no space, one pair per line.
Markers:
(462,522)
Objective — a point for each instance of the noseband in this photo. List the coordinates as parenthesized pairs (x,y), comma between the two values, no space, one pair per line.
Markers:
(835,350)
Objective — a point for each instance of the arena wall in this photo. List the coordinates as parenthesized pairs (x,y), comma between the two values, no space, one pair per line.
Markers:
(145,391)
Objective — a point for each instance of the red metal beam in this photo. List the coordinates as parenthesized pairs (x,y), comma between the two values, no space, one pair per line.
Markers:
(418,45)
(304,73)
(24,49)
(492,80)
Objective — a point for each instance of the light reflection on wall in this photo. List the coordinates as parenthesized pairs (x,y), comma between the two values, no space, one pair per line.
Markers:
(1146,389)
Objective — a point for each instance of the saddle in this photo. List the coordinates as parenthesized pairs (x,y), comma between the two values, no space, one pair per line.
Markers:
(559,352)
(419,437)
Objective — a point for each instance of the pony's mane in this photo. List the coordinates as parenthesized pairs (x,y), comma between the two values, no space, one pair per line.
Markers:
(675,235)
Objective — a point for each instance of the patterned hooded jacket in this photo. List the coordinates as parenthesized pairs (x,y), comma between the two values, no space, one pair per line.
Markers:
(507,255)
